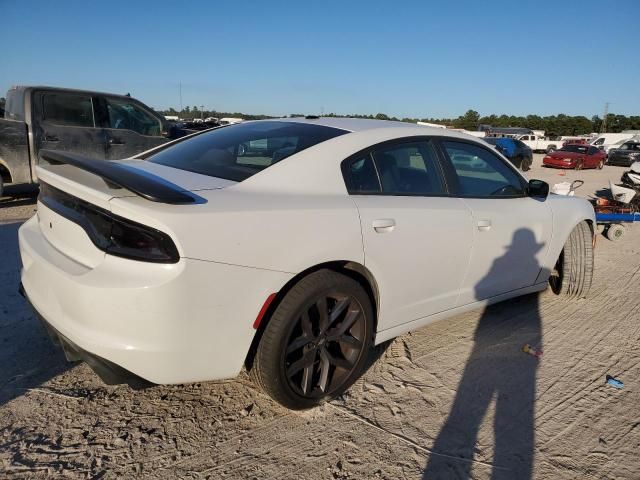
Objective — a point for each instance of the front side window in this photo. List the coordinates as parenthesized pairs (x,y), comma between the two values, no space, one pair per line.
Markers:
(599,141)
(67,109)
(236,152)
(129,116)
(409,169)
(481,173)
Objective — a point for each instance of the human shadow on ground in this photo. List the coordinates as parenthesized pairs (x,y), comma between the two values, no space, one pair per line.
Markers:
(499,370)
(28,358)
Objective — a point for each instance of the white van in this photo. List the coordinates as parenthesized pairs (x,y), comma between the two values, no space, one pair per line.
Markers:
(607,141)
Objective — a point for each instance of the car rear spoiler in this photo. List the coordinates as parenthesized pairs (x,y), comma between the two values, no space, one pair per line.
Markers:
(141,183)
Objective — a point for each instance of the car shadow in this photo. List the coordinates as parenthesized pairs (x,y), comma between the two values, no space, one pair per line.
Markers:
(497,371)
(27,356)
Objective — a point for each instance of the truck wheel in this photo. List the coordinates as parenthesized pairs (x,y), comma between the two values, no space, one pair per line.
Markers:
(551,148)
(615,232)
(573,272)
(317,341)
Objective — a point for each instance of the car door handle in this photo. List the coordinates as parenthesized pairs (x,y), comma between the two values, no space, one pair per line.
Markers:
(51,138)
(484,225)
(115,141)
(384,225)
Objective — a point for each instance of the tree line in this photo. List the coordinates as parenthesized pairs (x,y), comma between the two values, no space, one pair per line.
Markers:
(553,125)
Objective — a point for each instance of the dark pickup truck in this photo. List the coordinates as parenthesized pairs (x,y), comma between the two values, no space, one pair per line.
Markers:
(97,125)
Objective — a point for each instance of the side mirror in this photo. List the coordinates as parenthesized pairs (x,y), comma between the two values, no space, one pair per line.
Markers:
(538,189)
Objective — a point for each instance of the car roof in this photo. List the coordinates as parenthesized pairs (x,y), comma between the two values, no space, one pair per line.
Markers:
(357,124)
(23,88)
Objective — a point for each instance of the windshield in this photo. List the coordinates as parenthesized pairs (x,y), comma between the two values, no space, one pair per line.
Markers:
(574,148)
(237,152)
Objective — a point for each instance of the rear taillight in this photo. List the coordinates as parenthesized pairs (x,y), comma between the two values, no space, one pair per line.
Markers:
(111,233)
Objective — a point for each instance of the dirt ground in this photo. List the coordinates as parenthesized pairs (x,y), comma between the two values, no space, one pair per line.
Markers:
(456,399)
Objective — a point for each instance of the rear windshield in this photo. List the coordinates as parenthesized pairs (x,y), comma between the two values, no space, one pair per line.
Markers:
(239,151)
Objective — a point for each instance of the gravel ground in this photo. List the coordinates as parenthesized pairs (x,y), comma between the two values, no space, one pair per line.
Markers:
(456,399)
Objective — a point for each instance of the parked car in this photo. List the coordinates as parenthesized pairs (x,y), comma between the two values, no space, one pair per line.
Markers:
(98,125)
(576,156)
(626,155)
(517,152)
(188,262)
(539,144)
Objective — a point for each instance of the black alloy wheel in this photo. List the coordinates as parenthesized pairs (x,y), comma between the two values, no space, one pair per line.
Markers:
(324,345)
(317,341)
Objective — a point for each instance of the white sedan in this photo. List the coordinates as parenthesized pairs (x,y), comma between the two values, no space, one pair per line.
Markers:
(289,247)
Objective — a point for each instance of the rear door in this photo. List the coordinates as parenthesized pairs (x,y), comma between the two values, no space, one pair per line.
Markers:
(129,127)
(510,229)
(65,121)
(417,238)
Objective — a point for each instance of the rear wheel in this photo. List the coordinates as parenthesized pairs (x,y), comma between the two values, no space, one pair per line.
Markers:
(573,272)
(551,149)
(579,165)
(317,342)
(600,164)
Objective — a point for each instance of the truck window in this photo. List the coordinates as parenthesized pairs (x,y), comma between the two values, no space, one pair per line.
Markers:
(129,116)
(67,109)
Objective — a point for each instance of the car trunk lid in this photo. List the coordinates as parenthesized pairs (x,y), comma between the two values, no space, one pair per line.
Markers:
(76,185)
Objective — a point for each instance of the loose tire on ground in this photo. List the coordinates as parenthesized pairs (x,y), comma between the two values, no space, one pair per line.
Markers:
(573,271)
(304,357)
(615,232)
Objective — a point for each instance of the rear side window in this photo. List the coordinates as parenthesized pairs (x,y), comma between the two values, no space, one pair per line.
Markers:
(360,175)
(481,173)
(236,152)
(67,109)
(409,169)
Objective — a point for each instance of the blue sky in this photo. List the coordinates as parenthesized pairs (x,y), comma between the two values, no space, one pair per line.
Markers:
(403,58)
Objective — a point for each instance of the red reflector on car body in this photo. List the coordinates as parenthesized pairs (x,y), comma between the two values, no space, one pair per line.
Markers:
(263,310)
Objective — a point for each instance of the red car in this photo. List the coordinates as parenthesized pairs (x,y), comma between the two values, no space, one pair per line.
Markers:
(576,156)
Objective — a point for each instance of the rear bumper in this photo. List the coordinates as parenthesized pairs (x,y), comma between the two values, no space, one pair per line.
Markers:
(178,323)
(109,372)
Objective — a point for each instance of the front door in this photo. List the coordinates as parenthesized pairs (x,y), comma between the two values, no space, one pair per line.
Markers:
(509,227)
(417,239)
(65,121)
(129,128)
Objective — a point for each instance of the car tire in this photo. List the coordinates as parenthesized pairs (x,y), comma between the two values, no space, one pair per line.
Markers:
(600,164)
(525,166)
(1,186)
(615,232)
(306,357)
(579,165)
(573,272)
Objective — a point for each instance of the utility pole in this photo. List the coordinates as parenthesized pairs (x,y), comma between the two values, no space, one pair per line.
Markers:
(180,97)
(201,111)
(603,127)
